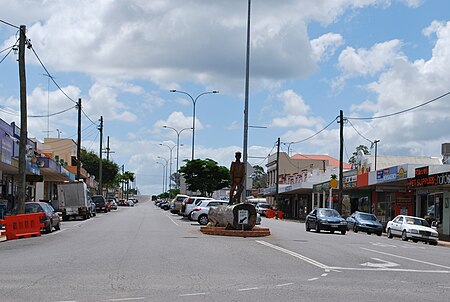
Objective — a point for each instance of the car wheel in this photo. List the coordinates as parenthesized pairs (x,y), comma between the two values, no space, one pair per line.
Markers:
(355,228)
(404,237)
(49,228)
(389,234)
(343,232)
(433,243)
(332,231)
(415,240)
(307,227)
(94,214)
(317,227)
(58,226)
(106,210)
(203,219)
(190,216)
(379,234)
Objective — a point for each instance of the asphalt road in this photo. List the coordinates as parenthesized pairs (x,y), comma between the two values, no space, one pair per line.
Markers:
(146,254)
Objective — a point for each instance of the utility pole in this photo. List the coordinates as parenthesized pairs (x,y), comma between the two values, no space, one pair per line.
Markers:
(79,141)
(23,124)
(100,166)
(341,160)
(123,168)
(277,173)
(108,150)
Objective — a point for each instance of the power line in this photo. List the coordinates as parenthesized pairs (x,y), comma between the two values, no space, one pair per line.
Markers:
(360,133)
(89,118)
(49,75)
(315,134)
(400,112)
(46,115)
(11,48)
(7,23)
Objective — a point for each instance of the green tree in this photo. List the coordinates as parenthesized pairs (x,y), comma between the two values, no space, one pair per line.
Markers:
(110,169)
(362,148)
(259,177)
(205,176)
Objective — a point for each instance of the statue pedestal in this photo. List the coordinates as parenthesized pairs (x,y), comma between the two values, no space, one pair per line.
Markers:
(222,231)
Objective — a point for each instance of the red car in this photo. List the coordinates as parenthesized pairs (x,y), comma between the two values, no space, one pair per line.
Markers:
(49,217)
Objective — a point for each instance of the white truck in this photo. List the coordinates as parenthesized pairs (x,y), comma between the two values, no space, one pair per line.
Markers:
(74,200)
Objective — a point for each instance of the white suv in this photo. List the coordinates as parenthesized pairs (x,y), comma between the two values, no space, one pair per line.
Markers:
(200,213)
(191,203)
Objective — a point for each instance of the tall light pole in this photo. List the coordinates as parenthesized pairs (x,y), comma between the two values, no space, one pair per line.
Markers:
(170,163)
(376,147)
(178,140)
(164,176)
(247,82)
(194,101)
(167,164)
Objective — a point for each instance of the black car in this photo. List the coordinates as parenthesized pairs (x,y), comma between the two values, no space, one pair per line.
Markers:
(325,219)
(364,222)
(100,203)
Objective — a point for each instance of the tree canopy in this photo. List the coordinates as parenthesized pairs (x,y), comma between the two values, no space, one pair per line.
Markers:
(259,177)
(362,148)
(110,169)
(205,176)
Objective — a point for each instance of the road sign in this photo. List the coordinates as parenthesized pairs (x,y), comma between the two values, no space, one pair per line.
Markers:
(243,216)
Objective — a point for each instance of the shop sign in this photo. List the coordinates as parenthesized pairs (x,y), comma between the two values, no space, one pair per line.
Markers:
(388,174)
(350,178)
(6,151)
(430,180)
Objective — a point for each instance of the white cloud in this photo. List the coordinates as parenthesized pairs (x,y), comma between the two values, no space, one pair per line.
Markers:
(325,46)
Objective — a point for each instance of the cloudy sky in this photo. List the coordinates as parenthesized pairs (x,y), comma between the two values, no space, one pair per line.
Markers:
(309,60)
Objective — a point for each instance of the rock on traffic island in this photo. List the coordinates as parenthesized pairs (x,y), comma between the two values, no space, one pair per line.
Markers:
(234,220)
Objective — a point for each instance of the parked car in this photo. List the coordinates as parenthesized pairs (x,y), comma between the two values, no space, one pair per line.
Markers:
(92,207)
(129,203)
(200,213)
(191,203)
(364,222)
(325,219)
(101,204)
(112,203)
(121,202)
(177,203)
(164,205)
(261,208)
(414,228)
(49,217)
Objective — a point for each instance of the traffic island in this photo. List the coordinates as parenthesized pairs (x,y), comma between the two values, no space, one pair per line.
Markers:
(222,231)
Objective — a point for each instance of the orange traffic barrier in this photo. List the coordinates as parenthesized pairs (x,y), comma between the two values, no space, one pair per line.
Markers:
(270,213)
(22,226)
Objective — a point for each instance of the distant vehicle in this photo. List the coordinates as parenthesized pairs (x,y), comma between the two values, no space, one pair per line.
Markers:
(49,217)
(262,208)
(101,205)
(112,203)
(92,210)
(325,219)
(178,203)
(129,203)
(414,228)
(191,203)
(364,222)
(73,200)
(200,213)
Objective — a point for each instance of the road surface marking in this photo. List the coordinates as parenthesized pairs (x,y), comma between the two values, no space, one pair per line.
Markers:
(301,257)
(324,275)
(406,258)
(194,294)
(383,264)
(172,220)
(403,270)
(285,284)
(128,299)
(246,289)
(313,279)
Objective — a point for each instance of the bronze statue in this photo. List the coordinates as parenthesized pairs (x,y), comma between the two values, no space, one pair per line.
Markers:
(237,174)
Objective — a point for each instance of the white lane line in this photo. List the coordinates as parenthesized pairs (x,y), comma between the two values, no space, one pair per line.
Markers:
(389,270)
(172,220)
(406,258)
(324,275)
(246,289)
(301,257)
(313,279)
(285,284)
(194,294)
(127,299)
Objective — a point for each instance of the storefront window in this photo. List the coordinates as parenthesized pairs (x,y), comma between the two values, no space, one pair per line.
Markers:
(384,211)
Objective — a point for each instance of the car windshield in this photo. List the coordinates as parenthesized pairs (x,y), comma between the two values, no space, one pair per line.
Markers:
(369,217)
(32,208)
(263,206)
(327,213)
(416,221)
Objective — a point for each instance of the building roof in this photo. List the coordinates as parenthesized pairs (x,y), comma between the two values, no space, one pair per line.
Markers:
(385,161)
(331,161)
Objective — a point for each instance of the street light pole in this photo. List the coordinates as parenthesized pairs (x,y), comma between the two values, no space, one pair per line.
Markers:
(167,164)
(194,101)
(178,140)
(164,175)
(170,164)
(376,147)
